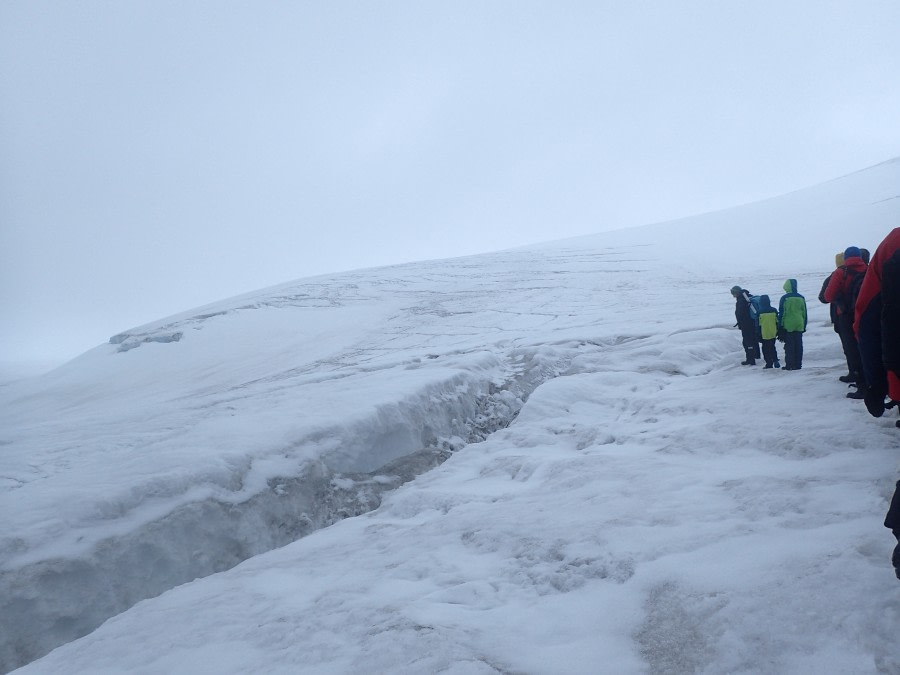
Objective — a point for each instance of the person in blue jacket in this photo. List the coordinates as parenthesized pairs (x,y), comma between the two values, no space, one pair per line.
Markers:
(792,318)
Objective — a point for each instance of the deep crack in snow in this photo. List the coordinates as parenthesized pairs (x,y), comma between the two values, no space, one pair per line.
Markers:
(55,600)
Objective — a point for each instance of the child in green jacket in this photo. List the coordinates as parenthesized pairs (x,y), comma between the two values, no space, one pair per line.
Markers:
(792,322)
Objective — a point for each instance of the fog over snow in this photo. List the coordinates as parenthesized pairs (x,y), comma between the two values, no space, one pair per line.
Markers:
(157,155)
(539,460)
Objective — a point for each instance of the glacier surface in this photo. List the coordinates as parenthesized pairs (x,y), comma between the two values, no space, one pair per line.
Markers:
(614,493)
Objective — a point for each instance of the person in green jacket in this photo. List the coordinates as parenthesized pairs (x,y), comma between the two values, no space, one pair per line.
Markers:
(792,324)
(768,331)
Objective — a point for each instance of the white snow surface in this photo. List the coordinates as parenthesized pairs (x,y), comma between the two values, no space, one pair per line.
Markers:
(618,495)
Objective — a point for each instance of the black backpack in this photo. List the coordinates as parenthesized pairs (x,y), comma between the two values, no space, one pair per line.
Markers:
(890,313)
(848,301)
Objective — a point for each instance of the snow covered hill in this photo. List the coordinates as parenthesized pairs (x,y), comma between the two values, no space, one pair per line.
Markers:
(618,495)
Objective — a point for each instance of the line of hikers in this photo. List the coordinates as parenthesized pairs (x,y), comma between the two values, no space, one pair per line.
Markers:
(761,323)
(864,299)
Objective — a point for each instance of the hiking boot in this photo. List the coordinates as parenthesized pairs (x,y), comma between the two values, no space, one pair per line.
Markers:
(858,394)
(777,365)
(767,366)
(847,378)
(749,362)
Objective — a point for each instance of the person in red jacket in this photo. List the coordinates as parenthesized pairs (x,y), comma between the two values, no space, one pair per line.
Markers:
(841,290)
(877,325)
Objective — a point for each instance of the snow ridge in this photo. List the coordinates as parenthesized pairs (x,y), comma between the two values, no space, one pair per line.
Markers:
(53,600)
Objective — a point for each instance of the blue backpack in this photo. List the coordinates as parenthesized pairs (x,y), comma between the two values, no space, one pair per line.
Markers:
(754,308)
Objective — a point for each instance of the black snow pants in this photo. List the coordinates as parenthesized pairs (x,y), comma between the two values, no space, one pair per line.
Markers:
(793,350)
(851,348)
(770,352)
(751,342)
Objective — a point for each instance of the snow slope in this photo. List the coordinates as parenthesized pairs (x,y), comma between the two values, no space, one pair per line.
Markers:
(619,495)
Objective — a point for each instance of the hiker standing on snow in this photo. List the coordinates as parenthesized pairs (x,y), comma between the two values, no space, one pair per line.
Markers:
(878,329)
(877,324)
(792,324)
(768,331)
(747,323)
(842,291)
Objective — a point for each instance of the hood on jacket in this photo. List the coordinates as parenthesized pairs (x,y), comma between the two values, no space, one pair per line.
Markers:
(790,286)
(838,260)
(855,263)
(764,303)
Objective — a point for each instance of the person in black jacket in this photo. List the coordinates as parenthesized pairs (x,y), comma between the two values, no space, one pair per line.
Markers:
(747,323)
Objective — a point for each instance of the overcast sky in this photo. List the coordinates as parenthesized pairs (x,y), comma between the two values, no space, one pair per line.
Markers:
(159,155)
